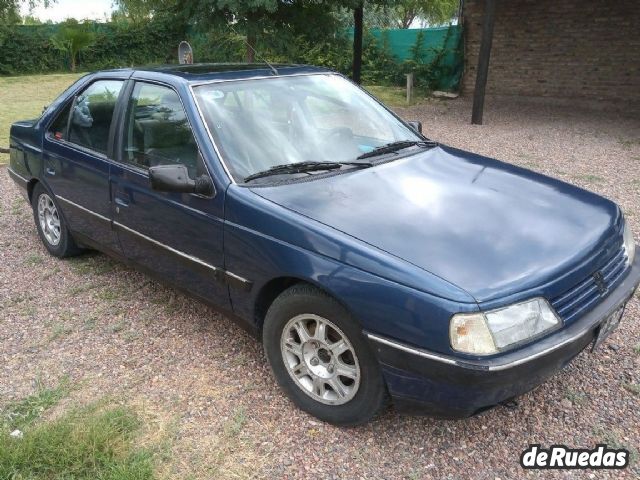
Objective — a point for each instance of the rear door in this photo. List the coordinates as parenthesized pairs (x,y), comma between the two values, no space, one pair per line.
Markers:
(77,150)
(175,235)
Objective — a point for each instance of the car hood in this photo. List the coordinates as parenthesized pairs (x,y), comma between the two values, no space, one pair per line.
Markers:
(488,227)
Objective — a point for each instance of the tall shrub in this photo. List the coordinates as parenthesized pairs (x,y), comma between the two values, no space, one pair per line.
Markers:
(72,38)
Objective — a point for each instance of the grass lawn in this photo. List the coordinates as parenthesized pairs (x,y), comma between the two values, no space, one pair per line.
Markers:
(395,96)
(92,442)
(24,97)
(88,443)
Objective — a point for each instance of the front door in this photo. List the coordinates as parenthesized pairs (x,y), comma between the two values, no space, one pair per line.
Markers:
(175,235)
(77,151)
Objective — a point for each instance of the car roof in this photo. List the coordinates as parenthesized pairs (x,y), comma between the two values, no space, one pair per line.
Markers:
(203,72)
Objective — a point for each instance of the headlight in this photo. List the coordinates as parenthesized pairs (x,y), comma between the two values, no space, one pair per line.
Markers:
(489,332)
(629,244)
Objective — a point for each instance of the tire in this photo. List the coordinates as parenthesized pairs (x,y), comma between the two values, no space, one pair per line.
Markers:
(51,225)
(308,359)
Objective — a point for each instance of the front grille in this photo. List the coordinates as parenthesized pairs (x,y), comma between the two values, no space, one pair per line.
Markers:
(588,293)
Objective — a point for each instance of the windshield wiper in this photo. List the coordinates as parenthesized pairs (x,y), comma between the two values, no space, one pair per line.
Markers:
(303,167)
(396,146)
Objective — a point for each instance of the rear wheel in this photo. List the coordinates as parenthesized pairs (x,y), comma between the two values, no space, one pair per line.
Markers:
(320,358)
(50,224)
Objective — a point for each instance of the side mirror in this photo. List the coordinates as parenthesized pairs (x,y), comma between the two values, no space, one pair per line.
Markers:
(417,126)
(175,178)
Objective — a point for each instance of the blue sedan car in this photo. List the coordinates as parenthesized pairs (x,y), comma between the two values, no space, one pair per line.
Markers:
(373,263)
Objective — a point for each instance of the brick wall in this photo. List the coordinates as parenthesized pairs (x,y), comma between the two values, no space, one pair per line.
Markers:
(588,49)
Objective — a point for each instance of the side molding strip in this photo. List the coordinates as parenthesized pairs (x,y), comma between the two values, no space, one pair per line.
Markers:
(167,247)
(238,282)
(414,351)
(65,200)
(221,275)
(13,173)
(229,278)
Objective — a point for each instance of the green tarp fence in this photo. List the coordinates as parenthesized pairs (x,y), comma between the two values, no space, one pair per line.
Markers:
(402,43)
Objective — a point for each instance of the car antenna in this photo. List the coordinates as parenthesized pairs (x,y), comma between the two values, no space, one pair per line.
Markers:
(258,56)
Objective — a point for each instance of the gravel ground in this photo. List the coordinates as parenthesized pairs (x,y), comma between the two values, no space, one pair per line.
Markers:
(206,390)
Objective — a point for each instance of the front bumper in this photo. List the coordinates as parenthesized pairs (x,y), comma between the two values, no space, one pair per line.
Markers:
(450,387)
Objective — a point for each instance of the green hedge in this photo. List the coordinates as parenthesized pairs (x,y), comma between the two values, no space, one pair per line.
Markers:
(436,64)
(24,51)
(27,49)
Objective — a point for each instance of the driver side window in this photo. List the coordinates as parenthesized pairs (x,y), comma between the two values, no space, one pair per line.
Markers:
(91,115)
(157,131)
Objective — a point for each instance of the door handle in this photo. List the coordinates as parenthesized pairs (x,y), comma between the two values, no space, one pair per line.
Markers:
(121,202)
(50,171)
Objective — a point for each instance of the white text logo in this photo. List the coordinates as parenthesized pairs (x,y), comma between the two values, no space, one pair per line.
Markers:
(561,457)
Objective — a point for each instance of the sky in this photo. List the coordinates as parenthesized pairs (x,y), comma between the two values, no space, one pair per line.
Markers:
(79,9)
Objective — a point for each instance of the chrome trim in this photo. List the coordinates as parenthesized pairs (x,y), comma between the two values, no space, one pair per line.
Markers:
(77,147)
(414,351)
(539,354)
(222,275)
(167,247)
(65,200)
(478,366)
(13,172)
(236,277)
(237,281)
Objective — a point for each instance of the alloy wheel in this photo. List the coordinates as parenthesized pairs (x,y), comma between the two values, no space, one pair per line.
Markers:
(49,219)
(320,359)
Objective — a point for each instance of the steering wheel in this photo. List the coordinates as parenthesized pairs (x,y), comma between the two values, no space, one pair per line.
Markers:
(340,141)
(339,133)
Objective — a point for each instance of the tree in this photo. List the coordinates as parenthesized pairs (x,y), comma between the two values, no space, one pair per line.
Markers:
(135,11)
(251,13)
(374,16)
(72,38)
(252,21)
(30,20)
(359,7)
(255,17)
(433,12)
(10,9)
(247,15)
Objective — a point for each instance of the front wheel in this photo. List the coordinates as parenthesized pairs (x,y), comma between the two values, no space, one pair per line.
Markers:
(320,358)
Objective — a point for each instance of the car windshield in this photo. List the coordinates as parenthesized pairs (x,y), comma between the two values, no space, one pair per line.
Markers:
(263,123)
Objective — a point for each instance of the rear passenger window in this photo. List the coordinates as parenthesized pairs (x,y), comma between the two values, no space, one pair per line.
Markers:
(58,128)
(92,113)
(157,131)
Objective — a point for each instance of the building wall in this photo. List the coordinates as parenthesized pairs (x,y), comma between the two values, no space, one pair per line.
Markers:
(587,49)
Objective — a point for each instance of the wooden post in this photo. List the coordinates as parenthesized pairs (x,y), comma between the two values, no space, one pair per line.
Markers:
(483,61)
(358,13)
(409,87)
